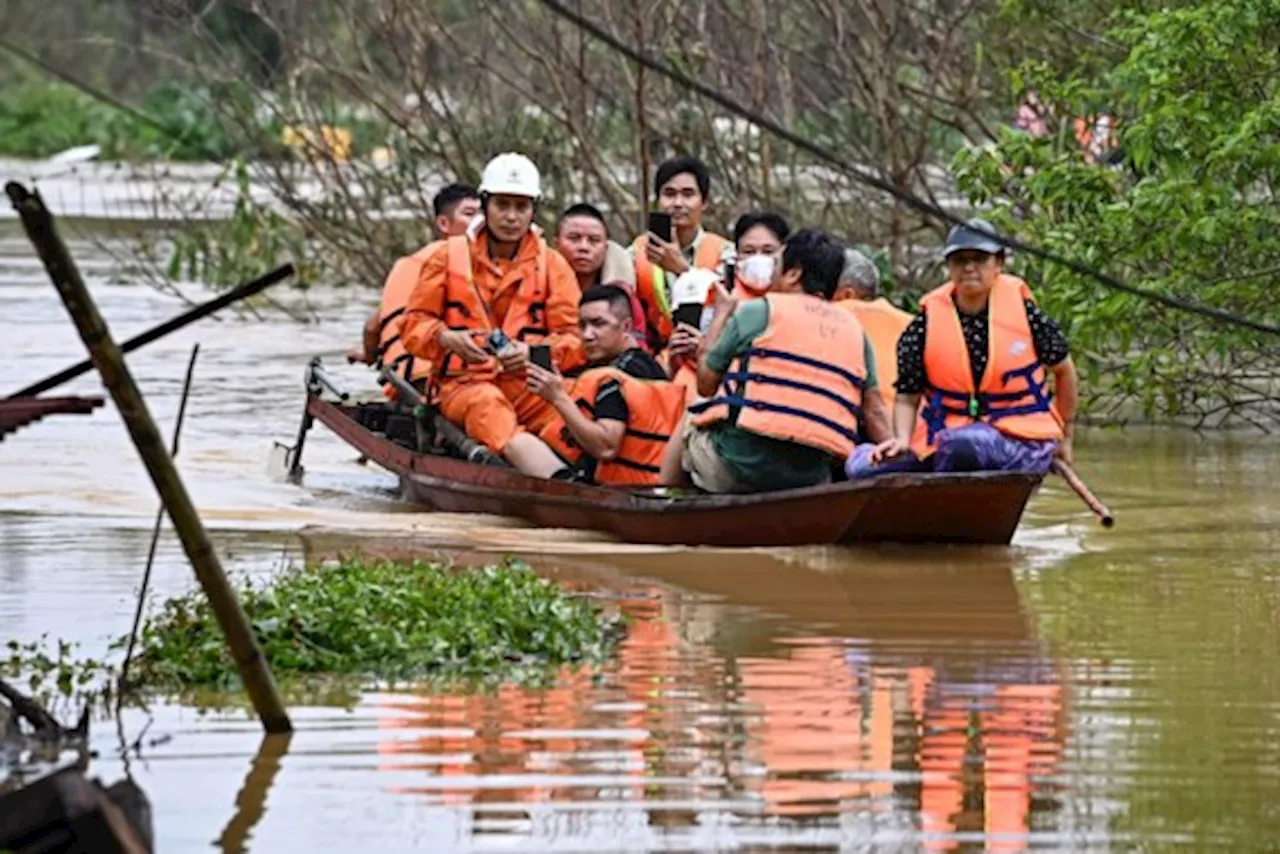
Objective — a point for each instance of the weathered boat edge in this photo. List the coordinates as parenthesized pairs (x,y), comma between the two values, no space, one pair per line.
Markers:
(980,508)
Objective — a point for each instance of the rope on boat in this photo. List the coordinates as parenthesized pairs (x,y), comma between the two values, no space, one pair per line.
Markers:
(860,175)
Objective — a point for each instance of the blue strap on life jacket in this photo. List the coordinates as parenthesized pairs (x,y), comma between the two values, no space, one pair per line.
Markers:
(742,402)
(734,383)
(988,404)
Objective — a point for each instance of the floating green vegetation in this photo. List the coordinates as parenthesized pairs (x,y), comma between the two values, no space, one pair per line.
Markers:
(381,620)
(327,628)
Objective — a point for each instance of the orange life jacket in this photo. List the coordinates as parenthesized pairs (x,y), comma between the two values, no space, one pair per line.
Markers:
(651,284)
(1013,396)
(883,322)
(654,409)
(800,381)
(392,356)
(525,320)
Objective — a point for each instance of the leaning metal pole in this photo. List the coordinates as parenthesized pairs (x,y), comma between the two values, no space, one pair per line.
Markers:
(108,359)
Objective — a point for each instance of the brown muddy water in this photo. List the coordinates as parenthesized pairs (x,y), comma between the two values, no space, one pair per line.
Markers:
(1081,690)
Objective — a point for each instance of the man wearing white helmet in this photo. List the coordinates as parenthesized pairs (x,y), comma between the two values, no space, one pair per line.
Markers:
(481,302)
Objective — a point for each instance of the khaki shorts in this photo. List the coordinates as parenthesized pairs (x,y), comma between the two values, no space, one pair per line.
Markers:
(703,463)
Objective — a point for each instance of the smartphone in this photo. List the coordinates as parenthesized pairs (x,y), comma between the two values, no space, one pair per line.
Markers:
(689,313)
(540,355)
(660,224)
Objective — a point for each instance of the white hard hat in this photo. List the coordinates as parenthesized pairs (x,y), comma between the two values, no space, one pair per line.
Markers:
(693,286)
(511,174)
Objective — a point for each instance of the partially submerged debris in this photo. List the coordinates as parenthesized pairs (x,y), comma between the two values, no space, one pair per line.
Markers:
(46,804)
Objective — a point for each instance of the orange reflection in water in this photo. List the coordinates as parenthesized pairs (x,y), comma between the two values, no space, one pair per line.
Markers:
(954,725)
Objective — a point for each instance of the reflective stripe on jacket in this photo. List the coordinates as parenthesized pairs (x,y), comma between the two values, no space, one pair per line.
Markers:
(652,288)
(400,283)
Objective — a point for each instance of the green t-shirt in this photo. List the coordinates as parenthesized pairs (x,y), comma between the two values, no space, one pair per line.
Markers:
(762,462)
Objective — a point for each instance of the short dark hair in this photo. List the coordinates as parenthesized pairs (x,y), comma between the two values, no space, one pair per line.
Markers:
(669,169)
(820,259)
(448,198)
(582,209)
(770,220)
(618,299)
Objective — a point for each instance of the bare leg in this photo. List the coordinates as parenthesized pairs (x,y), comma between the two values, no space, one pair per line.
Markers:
(531,455)
(671,472)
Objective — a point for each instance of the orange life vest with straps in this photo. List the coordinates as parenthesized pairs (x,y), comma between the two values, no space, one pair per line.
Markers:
(392,355)
(1013,396)
(525,320)
(651,283)
(800,381)
(654,409)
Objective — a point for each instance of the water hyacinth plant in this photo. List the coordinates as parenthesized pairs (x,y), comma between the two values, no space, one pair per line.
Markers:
(334,626)
(383,619)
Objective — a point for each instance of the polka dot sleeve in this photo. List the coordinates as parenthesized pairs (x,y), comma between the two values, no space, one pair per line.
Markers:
(1046,336)
(911,358)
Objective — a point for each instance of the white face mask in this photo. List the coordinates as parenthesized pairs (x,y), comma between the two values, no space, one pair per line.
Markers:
(756,271)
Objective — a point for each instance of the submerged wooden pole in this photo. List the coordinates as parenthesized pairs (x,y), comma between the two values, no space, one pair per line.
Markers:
(110,363)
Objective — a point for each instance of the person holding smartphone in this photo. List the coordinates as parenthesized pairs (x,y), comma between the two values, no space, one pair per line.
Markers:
(675,243)
(788,383)
(481,303)
(616,418)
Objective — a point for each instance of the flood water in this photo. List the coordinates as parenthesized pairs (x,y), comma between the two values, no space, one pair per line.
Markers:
(1081,690)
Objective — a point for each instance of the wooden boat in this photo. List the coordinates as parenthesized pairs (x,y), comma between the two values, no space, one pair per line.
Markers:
(980,508)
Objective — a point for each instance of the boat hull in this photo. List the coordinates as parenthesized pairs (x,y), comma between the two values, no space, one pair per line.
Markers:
(980,508)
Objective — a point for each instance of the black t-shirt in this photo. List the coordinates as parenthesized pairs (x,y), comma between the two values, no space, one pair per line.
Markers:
(639,364)
(610,403)
(1046,337)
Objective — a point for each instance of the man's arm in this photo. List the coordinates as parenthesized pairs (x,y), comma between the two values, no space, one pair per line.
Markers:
(371,339)
(601,437)
(742,323)
(875,419)
(564,339)
(423,318)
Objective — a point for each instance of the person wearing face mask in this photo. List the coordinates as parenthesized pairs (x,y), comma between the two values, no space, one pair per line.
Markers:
(750,261)
(479,304)
(454,206)
(683,188)
(757,240)
(788,381)
(979,356)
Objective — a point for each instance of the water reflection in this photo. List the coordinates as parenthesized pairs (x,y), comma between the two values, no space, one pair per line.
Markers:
(925,710)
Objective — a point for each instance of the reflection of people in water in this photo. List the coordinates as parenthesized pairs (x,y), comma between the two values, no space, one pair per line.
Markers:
(926,671)
(924,703)
(831,730)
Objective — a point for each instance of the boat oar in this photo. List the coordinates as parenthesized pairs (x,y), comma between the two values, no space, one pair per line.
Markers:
(203,310)
(1086,495)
